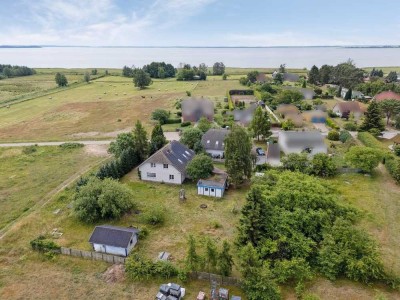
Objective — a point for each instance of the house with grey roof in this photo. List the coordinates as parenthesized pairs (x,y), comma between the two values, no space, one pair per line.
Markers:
(213,142)
(311,142)
(214,186)
(195,108)
(113,239)
(244,116)
(273,155)
(291,77)
(168,164)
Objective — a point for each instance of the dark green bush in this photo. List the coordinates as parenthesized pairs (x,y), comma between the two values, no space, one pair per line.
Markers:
(333,135)
(344,136)
(185,124)
(154,216)
(139,268)
(44,245)
(29,150)
(392,164)
(350,126)
(173,121)
(71,145)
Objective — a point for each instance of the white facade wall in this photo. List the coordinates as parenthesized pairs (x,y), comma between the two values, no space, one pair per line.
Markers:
(162,174)
(216,152)
(109,249)
(210,191)
(336,110)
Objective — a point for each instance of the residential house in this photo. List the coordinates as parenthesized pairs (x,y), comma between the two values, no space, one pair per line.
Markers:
(354,94)
(113,239)
(195,108)
(213,142)
(261,78)
(344,109)
(213,186)
(168,164)
(311,142)
(388,95)
(290,111)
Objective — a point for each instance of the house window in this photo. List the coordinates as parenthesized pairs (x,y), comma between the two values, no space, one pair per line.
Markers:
(151,174)
(153,165)
(212,190)
(171,177)
(165,166)
(206,189)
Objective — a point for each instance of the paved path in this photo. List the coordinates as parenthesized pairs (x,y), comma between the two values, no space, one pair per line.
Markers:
(55,143)
(272,113)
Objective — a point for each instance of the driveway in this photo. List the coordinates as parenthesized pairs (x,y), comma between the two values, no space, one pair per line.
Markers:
(322,128)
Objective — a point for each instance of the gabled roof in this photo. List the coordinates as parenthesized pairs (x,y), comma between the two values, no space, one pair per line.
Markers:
(213,139)
(302,138)
(350,106)
(113,235)
(175,154)
(290,77)
(261,77)
(386,96)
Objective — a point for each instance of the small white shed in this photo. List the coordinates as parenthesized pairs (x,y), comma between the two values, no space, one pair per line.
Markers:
(214,186)
(114,240)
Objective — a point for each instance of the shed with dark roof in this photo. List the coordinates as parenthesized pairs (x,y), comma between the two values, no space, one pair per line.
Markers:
(113,239)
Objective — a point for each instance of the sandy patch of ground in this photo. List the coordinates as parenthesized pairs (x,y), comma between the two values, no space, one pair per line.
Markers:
(112,134)
(172,136)
(115,273)
(97,150)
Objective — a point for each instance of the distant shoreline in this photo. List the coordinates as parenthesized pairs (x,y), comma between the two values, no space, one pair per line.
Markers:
(199,47)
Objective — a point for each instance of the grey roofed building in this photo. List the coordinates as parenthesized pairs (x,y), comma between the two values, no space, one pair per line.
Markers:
(311,142)
(292,77)
(174,153)
(213,141)
(307,93)
(195,108)
(113,235)
(354,94)
(246,115)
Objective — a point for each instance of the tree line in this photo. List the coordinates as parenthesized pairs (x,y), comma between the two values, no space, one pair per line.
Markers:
(9,71)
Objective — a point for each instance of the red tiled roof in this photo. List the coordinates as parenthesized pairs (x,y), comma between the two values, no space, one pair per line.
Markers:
(387,95)
(350,106)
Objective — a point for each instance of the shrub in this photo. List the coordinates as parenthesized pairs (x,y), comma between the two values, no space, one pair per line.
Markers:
(333,135)
(296,162)
(344,136)
(364,158)
(160,115)
(396,150)
(392,164)
(287,125)
(375,132)
(71,145)
(331,124)
(29,150)
(139,268)
(154,216)
(322,165)
(188,93)
(44,245)
(201,166)
(173,121)
(350,126)
(186,124)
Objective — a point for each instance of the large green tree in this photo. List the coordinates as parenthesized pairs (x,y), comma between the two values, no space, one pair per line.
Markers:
(260,124)
(364,158)
(141,79)
(204,125)
(201,166)
(218,68)
(140,140)
(313,75)
(392,77)
(158,139)
(160,115)
(192,139)
(237,155)
(102,200)
(390,107)
(61,80)
(373,118)
(123,141)
(225,260)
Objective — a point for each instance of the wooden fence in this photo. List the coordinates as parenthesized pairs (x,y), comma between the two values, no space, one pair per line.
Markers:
(113,259)
(221,280)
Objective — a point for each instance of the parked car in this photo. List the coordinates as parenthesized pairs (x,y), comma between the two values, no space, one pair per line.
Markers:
(260,151)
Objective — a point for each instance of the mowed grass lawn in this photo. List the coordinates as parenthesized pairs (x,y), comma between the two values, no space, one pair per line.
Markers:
(25,179)
(92,110)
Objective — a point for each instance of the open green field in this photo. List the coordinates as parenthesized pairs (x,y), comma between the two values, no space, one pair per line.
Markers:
(92,110)
(26,179)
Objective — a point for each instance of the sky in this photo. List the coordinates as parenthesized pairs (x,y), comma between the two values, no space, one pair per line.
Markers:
(199,22)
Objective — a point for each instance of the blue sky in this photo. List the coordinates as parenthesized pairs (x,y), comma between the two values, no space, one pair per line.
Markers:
(200,22)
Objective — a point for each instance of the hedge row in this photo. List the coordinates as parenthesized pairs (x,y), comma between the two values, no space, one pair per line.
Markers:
(369,140)
(392,164)
(173,121)
(331,124)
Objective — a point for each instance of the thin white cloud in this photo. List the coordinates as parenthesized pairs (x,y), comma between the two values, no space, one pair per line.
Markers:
(99,22)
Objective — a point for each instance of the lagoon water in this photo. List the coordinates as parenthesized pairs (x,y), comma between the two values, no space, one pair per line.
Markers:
(293,57)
